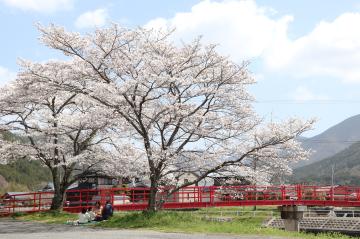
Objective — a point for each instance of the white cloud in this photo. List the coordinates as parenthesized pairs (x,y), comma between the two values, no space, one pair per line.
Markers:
(6,75)
(45,6)
(258,76)
(302,93)
(330,49)
(96,18)
(243,29)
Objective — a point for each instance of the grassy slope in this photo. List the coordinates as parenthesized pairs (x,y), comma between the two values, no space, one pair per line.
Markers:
(188,222)
(22,175)
(48,217)
(192,223)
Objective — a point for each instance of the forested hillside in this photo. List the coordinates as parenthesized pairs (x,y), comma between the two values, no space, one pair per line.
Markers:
(332,141)
(346,164)
(22,175)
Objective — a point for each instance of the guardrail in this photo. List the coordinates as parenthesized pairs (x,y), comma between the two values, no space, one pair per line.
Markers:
(189,197)
(26,202)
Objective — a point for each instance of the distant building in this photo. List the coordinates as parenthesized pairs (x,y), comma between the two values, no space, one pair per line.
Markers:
(97,181)
(16,195)
(19,198)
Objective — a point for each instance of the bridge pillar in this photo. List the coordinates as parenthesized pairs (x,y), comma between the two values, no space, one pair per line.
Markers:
(292,216)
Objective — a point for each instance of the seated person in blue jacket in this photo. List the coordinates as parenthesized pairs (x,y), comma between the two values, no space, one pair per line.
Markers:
(107,211)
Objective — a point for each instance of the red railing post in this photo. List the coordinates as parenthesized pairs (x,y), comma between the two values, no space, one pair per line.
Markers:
(14,203)
(112,196)
(199,194)
(103,196)
(211,195)
(132,196)
(299,192)
(34,201)
(80,195)
(39,201)
(283,193)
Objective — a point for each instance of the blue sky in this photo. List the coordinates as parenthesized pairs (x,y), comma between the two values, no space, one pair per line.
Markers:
(305,54)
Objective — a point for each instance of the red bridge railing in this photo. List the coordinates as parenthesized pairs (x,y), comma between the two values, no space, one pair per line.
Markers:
(189,197)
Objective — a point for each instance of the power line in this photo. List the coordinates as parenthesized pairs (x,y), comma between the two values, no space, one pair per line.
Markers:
(284,101)
(329,141)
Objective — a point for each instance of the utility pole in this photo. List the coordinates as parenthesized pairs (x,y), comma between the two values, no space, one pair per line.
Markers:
(255,181)
(332,180)
(332,174)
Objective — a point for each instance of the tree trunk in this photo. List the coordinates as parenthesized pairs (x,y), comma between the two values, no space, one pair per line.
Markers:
(59,191)
(152,195)
(57,201)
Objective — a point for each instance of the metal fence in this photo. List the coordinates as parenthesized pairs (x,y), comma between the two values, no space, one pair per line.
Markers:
(189,197)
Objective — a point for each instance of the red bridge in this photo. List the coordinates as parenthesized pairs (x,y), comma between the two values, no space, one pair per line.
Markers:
(189,197)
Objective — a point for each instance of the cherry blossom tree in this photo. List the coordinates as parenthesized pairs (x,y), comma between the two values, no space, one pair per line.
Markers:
(182,108)
(58,128)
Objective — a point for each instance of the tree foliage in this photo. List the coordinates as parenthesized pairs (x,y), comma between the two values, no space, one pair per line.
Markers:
(55,127)
(174,109)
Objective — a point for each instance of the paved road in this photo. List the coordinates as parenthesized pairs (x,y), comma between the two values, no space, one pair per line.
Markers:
(13,229)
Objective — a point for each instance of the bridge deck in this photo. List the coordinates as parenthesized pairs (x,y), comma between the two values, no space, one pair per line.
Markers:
(189,197)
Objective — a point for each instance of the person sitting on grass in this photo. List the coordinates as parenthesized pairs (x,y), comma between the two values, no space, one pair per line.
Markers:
(107,211)
(98,211)
(91,214)
(83,216)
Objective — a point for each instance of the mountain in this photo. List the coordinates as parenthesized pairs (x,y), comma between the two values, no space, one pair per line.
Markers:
(332,141)
(21,175)
(346,169)
(3,182)
(25,174)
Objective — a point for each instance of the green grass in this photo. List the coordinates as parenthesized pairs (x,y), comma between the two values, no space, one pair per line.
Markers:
(48,217)
(243,208)
(188,222)
(193,222)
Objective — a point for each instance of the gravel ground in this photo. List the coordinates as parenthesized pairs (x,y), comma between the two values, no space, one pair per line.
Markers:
(14,229)
(10,226)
